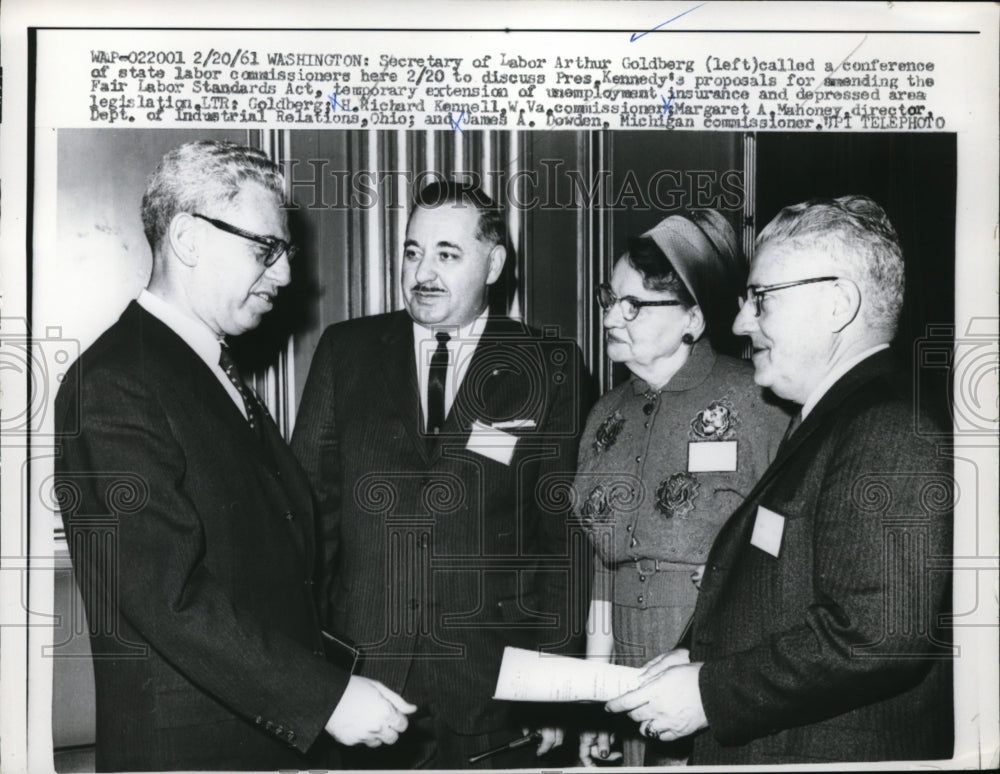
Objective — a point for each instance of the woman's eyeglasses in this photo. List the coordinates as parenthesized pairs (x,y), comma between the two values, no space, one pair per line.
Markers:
(630,305)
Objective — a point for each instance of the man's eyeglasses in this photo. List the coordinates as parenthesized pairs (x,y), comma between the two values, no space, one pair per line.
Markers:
(275,247)
(756,293)
(630,305)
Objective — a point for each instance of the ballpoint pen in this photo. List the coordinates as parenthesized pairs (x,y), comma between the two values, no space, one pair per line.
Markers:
(519,742)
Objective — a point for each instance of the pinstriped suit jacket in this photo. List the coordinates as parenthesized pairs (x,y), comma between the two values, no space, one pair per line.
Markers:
(193,545)
(835,648)
(438,551)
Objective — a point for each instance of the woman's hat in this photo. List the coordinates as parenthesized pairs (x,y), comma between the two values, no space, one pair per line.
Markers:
(703,250)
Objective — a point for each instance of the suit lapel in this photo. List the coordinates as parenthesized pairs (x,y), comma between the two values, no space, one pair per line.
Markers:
(291,479)
(734,535)
(869,369)
(280,470)
(488,377)
(193,374)
(159,339)
(495,371)
(399,365)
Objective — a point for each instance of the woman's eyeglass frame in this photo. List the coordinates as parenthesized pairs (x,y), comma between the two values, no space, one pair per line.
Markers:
(630,305)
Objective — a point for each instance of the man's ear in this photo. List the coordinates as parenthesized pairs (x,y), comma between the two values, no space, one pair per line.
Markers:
(497,258)
(182,238)
(846,304)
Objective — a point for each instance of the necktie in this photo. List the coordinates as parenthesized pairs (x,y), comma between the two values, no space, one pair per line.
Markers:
(793,425)
(435,384)
(228,365)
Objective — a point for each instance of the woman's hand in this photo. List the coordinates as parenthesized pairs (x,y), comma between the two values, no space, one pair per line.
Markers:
(595,747)
(552,738)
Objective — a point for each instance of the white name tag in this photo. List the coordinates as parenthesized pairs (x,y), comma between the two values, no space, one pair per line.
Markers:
(711,456)
(492,443)
(767,531)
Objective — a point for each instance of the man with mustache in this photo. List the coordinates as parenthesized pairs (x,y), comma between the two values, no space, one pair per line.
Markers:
(440,441)
(189,521)
(820,633)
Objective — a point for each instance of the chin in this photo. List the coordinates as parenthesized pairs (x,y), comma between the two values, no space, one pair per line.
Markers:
(423,313)
(425,317)
(244,325)
(763,380)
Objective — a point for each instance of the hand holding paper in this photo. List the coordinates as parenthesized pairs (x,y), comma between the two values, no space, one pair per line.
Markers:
(664,661)
(529,676)
(667,705)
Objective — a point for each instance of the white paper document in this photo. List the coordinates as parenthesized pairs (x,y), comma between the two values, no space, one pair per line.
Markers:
(526,675)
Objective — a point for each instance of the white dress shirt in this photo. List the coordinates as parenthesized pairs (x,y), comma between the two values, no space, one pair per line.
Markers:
(461,347)
(196,335)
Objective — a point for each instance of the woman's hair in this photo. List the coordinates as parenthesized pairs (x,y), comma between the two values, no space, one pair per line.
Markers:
(658,274)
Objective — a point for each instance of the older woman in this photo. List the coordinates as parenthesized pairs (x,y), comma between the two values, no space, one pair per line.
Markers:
(668,455)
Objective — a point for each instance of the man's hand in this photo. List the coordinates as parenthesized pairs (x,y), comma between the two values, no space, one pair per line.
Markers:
(595,747)
(664,661)
(667,705)
(368,713)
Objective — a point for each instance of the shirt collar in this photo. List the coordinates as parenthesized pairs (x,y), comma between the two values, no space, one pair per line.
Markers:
(195,333)
(468,334)
(831,378)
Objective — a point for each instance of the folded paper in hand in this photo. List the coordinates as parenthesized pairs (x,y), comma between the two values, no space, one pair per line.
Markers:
(529,676)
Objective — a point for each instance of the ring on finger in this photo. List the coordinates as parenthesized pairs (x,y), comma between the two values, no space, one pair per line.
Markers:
(649,731)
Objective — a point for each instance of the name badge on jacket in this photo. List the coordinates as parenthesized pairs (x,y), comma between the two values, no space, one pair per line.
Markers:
(711,456)
(492,442)
(768,528)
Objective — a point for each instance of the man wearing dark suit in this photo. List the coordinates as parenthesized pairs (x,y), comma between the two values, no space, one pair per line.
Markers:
(190,524)
(819,633)
(441,442)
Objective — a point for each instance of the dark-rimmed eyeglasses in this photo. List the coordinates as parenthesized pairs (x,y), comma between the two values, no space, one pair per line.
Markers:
(630,305)
(275,247)
(756,293)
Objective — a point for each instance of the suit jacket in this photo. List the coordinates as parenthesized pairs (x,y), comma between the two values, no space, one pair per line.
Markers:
(193,544)
(447,550)
(820,617)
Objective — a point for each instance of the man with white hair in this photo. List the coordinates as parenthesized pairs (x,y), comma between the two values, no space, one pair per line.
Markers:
(819,633)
